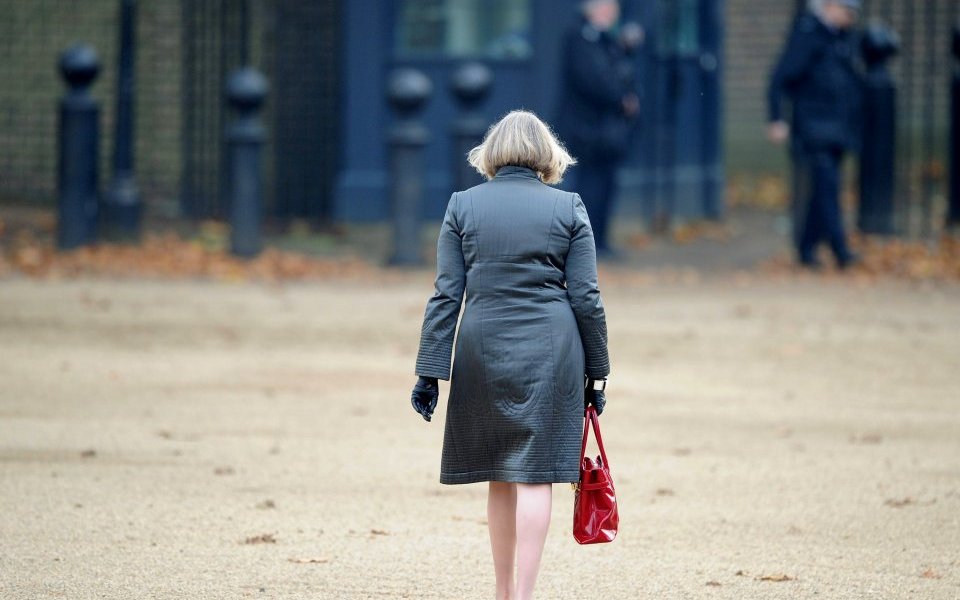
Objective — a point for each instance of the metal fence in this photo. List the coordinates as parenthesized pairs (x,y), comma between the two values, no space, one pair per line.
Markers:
(922,72)
(185,50)
(32,35)
(295,43)
(215,42)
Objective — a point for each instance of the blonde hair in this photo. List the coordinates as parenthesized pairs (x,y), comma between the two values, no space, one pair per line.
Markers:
(522,139)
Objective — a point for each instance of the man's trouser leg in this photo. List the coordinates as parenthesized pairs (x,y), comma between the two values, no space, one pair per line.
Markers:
(815,181)
(595,183)
(827,180)
(801,193)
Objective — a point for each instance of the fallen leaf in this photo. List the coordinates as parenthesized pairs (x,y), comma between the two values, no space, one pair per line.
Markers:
(917,260)
(308,561)
(379,532)
(263,538)
(894,503)
(713,583)
(638,241)
(931,574)
(166,255)
(775,577)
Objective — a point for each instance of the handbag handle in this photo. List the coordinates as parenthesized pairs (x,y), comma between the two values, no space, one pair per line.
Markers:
(591,417)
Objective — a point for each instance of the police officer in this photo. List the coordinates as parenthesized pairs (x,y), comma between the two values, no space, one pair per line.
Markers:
(818,74)
(598,107)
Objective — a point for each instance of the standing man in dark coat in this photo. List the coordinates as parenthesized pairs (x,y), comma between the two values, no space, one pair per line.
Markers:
(817,73)
(598,104)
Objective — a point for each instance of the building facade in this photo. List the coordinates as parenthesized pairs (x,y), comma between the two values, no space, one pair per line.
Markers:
(703,69)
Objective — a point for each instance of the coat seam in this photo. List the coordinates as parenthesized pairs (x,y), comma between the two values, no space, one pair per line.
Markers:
(454,444)
(553,362)
(480,304)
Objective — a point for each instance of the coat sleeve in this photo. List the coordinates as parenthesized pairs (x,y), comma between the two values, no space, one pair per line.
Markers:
(443,308)
(798,56)
(584,294)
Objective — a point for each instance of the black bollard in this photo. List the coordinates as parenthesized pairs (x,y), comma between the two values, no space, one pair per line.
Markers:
(246,91)
(79,141)
(470,85)
(879,45)
(953,213)
(407,91)
(120,213)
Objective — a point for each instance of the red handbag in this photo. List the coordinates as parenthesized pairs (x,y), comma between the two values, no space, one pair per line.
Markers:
(595,518)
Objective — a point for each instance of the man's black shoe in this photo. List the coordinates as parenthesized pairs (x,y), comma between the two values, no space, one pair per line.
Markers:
(851,260)
(811,263)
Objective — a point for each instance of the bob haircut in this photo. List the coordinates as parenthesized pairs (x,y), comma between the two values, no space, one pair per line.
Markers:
(521,139)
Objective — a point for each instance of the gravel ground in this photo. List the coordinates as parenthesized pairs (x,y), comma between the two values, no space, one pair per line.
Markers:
(769,439)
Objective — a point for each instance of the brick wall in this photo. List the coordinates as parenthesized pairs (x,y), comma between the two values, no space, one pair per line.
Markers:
(32,35)
(33,32)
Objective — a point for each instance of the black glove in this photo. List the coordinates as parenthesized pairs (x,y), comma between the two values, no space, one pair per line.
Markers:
(597,398)
(425,395)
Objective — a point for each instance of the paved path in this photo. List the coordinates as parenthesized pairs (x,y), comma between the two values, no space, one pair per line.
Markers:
(195,440)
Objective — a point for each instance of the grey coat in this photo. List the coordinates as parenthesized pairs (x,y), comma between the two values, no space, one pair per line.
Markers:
(532,328)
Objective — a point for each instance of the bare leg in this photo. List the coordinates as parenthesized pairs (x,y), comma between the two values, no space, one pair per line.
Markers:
(501,520)
(534,504)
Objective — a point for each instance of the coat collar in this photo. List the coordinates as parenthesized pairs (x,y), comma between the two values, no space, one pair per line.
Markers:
(516,171)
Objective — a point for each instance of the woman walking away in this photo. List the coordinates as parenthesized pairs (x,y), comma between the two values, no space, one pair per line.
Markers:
(533,332)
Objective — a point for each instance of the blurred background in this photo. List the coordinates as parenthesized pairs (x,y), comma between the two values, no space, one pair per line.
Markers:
(207,347)
(702,68)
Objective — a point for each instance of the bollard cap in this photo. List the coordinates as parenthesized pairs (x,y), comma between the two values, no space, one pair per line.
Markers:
(246,89)
(471,83)
(879,44)
(79,65)
(408,89)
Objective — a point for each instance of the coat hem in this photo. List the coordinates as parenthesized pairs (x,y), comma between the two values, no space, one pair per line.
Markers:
(511,476)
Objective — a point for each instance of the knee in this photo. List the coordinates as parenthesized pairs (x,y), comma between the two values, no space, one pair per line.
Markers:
(534,489)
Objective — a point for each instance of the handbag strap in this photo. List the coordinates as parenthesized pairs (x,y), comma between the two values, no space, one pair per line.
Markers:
(591,417)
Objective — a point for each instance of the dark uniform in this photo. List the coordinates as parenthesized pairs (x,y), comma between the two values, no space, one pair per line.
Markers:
(597,76)
(818,74)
